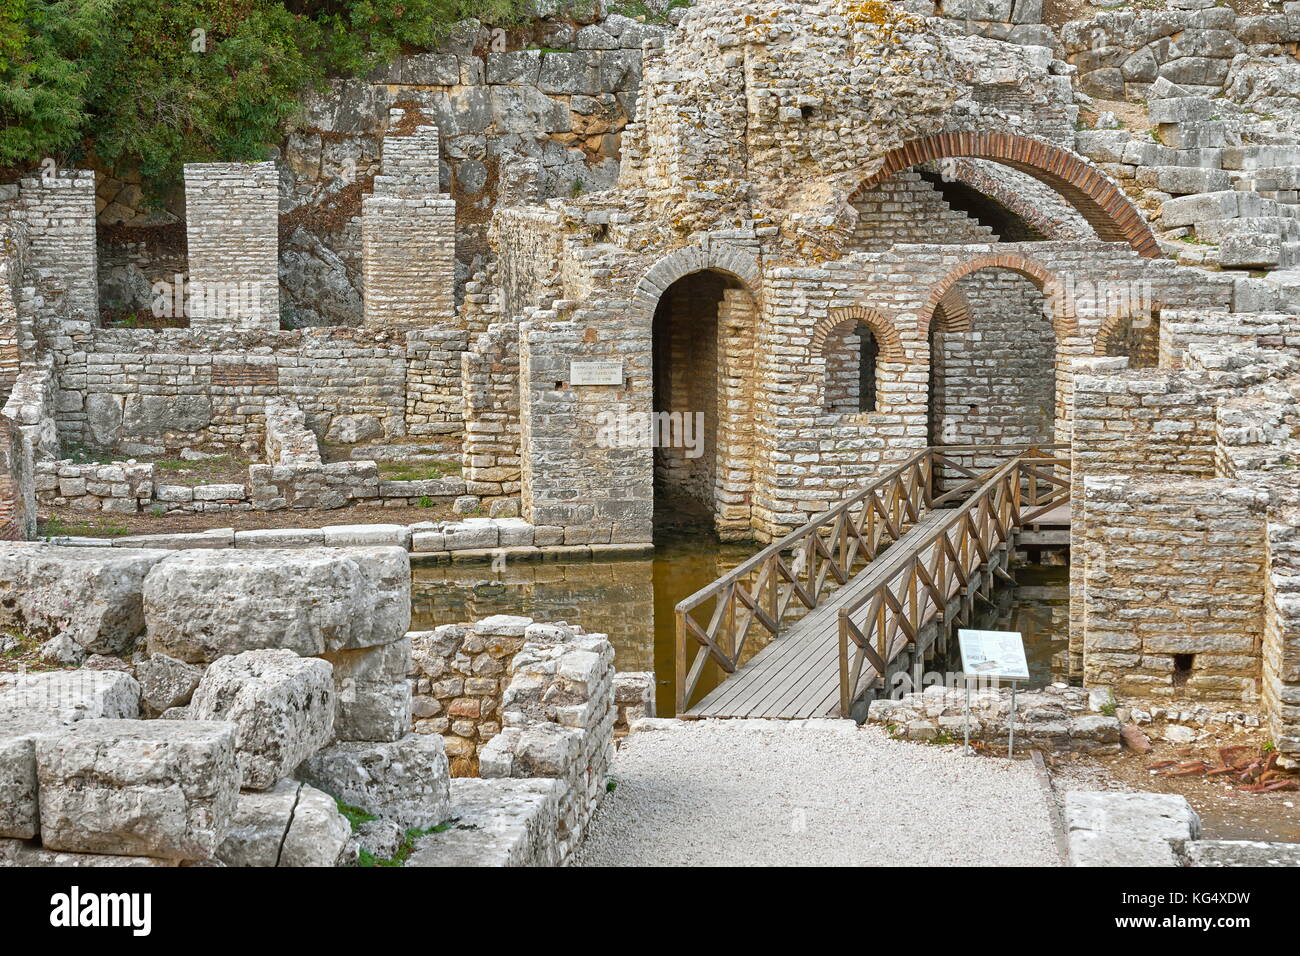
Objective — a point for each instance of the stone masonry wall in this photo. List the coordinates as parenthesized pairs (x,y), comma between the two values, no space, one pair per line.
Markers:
(232,229)
(59,211)
(1173,579)
(408,230)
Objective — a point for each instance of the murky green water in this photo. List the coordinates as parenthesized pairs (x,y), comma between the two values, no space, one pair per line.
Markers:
(632,601)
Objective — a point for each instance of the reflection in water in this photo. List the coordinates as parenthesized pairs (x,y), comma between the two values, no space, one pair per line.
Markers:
(632,601)
(1039,608)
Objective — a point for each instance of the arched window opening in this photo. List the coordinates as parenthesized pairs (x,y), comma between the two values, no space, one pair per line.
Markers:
(852,361)
(1136,338)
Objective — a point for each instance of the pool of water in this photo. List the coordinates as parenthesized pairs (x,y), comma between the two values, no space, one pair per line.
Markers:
(632,601)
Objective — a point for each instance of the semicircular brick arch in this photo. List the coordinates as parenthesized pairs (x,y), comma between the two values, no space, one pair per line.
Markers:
(1063,318)
(1083,185)
(952,314)
(728,260)
(887,337)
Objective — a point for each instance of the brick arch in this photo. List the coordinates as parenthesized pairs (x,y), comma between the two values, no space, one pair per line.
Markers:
(887,337)
(1063,318)
(952,314)
(1083,185)
(700,257)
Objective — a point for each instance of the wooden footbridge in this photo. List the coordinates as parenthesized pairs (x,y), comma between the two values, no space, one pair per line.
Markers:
(846,600)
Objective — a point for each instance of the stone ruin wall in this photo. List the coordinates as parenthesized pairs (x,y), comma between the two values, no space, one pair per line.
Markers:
(1183,570)
(259,728)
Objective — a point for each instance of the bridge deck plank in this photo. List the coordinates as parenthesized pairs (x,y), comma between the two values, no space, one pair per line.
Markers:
(797,675)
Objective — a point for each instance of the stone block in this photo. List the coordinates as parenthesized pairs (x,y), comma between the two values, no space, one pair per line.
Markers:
(1128,829)
(90,595)
(374,698)
(291,824)
(406,781)
(71,695)
(1242,853)
(498,823)
(282,706)
(201,605)
(366,535)
(19,811)
(31,854)
(160,788)
(166,682)
(280,538)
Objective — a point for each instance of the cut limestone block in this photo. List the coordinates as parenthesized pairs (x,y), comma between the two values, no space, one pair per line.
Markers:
(282,706)
(1128,829)
(201,605)
(166,682)
(71,695)
(19,812)
(24,853)
(291,824)
(498,823)
(90,595)
(162,788)
(406,781)
(1242,853)
(374,697)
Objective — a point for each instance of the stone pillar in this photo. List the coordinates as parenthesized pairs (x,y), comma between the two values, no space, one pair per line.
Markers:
(62,264)
(408,233)
(232,224)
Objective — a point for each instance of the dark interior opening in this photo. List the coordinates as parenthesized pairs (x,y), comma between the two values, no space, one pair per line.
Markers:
(1007,226)
(1183,667)
(868,355)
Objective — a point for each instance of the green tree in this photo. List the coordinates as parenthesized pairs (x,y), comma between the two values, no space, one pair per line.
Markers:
(43,82)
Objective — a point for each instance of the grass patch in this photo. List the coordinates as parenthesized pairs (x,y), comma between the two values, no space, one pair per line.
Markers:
(397,471)
(26,644)
(409,839)
(354,815)
(1108,709)
(58,528)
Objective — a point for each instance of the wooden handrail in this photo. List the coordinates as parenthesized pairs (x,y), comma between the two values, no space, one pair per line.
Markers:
(942,563)
(824,553)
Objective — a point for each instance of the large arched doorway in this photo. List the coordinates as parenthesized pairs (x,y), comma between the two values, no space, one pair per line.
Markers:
(993,370)
(702,345)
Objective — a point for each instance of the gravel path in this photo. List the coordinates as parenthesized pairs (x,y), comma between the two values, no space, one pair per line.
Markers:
(816,792)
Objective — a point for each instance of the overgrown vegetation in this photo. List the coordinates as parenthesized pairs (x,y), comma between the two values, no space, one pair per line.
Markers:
(154,84)
(58,528)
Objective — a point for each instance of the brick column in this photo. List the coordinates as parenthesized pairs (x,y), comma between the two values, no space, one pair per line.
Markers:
(408,233)
(62,262)
(232,222)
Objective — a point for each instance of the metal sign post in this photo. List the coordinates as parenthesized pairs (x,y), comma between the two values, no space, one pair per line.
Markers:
(1011,724)
(996,654)
(966,741)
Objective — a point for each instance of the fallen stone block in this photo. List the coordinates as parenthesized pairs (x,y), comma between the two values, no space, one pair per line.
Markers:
(24,853)
(282,706)
(497,823)
(406,781)
(71,695)
(280,538)
(1128,829)
(165,683)
(366,535)
(291,824)
(374,697)
(201,605)
(1242,853)
(89,595)
(19,811)
(161,788)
